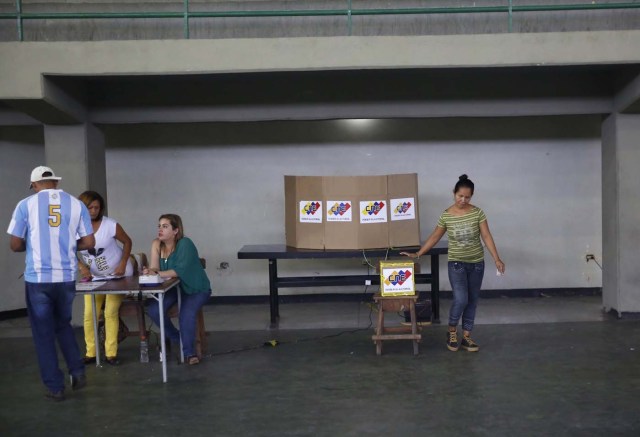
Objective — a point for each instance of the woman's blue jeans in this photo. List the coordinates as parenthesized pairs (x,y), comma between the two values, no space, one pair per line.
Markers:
(190,304)
(465,279)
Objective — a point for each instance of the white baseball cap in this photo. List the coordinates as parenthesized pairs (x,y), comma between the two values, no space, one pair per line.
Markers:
(43,173)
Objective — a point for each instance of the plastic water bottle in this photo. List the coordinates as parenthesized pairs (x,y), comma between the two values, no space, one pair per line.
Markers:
(144,350)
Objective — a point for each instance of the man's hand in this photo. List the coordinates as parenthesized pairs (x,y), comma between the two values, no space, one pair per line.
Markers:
(17,244)
(87,242)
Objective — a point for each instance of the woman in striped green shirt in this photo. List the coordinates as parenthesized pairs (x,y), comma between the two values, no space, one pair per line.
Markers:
(465,225)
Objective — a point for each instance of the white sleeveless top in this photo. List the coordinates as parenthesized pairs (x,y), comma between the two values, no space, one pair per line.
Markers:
(106,254)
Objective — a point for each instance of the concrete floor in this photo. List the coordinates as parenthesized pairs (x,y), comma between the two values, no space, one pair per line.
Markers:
(547,366)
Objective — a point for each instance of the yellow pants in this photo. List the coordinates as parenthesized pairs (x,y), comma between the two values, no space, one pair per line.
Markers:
(111,323)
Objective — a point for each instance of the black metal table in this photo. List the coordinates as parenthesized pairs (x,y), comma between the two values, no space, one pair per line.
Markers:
(274,252)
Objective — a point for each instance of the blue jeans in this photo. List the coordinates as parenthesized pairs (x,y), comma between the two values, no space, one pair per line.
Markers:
(465,279)
(49,306)
(190,304)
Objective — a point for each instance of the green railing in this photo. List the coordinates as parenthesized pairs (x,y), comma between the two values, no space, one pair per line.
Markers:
(508,9)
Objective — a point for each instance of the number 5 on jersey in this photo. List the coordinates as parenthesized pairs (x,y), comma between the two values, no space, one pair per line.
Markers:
(54,216)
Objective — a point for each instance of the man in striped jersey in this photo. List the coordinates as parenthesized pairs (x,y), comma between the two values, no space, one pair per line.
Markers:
(46,226)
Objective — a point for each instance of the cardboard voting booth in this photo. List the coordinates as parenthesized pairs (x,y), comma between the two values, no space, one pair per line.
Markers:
(351,212)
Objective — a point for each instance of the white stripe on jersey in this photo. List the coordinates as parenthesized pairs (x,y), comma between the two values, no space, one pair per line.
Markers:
(34,234)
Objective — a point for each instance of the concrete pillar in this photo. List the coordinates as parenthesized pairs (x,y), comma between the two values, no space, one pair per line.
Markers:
(77,154)
(621,213)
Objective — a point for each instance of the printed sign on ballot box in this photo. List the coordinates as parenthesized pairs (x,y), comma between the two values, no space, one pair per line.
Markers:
(397,278)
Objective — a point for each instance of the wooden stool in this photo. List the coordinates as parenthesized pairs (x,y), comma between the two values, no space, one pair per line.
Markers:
(396,304)
(133,306)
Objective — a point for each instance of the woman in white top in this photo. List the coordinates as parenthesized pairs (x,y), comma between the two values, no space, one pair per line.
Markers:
(107,258)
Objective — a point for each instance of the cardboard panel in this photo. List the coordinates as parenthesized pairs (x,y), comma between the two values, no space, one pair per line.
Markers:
(290,217)
(341,226)
(304,206)
(373,203)
(404,217)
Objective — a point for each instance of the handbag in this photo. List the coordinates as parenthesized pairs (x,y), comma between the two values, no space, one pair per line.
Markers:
(123,332)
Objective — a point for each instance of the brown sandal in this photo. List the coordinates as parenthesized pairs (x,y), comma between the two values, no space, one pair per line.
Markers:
(192,360)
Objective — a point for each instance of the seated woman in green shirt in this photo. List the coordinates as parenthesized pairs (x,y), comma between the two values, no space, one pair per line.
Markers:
(175,256)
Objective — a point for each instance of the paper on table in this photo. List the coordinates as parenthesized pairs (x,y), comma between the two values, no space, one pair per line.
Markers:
(106,278)
(86,286)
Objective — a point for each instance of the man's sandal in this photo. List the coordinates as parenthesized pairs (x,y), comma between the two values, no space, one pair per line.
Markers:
(193,360)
